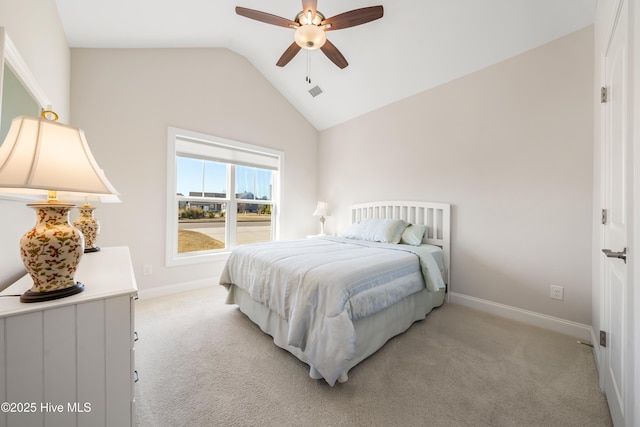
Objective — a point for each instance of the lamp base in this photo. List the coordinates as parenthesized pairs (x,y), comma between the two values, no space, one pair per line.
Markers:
(31,296)
(89,226)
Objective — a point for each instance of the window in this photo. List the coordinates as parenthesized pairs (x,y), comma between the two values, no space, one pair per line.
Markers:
(222,194)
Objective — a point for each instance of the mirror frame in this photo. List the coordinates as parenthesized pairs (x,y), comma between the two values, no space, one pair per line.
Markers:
(9,55)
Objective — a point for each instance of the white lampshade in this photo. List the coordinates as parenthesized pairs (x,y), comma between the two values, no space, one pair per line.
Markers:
(310,37)
(40,155)
(322,209)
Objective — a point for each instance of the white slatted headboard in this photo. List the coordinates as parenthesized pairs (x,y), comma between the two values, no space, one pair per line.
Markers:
(436,216)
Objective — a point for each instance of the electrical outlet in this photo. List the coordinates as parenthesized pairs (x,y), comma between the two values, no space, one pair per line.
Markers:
(147,270)
(557,292)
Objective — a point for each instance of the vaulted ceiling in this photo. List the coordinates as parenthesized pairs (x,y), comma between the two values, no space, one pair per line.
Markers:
(417,45)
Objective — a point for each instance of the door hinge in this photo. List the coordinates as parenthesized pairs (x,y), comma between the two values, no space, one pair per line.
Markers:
(603,94)
(604,216)
(603,338)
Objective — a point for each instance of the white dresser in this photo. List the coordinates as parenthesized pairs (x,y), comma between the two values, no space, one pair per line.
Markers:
(70,362)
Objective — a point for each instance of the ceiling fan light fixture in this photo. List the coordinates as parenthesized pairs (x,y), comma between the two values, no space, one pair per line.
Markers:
(310,26)
(310,37)
(308,18)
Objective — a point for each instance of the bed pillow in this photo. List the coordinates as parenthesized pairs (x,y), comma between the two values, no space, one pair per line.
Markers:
(354,231)
(376,230)
(413,234)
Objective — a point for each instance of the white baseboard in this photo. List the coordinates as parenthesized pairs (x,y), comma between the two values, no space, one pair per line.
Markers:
(574,329)
(567,327)
(175,289)
(595,340)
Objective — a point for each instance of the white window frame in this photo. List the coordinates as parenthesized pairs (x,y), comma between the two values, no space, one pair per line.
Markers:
(173,258)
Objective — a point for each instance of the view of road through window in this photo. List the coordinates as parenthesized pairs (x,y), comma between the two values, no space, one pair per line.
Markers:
(209,233)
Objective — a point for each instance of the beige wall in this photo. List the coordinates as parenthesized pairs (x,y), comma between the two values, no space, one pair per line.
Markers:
(510,147)
(126,99)
(35,30)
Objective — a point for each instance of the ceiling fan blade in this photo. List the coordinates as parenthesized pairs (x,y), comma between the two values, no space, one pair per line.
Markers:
(353,18)
(288,55)
(334,54)
(265,17)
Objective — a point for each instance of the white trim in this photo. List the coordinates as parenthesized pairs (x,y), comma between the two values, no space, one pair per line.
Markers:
(574,329)
(567,327)
(595,340)
(22,72)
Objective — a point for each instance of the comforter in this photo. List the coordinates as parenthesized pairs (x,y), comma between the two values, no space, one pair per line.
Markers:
(320,286)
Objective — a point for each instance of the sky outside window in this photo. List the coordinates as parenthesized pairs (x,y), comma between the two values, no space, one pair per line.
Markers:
(198,175)
(255,181)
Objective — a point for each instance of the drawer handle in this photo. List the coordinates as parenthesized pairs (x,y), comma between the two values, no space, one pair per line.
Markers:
(136,377)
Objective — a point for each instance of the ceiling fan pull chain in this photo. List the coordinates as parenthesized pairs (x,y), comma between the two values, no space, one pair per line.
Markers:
(308,67)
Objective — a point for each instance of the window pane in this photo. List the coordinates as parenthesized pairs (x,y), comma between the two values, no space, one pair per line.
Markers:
(189,176)
(201,178)
(254,223)
(253,183)
(201,226)
(215,179)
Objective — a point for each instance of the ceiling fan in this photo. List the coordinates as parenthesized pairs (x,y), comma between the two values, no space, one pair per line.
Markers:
(310,26)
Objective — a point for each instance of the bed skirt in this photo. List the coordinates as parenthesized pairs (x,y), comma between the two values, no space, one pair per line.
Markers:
(371,332)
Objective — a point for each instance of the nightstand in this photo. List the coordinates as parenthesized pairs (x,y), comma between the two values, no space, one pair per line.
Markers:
(70,361)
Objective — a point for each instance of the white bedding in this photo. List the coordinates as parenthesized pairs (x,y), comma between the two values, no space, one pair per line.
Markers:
(321,286)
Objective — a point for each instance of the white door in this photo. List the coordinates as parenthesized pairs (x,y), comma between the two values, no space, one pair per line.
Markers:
(614,238)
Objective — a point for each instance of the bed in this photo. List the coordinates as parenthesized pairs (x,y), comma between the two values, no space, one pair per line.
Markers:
(332,301)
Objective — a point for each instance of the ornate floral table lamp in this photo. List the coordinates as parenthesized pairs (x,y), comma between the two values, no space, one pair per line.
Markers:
(87,223)
(42,156)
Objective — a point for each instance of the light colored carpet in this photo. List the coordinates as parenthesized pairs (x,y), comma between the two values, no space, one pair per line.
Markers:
(203,363)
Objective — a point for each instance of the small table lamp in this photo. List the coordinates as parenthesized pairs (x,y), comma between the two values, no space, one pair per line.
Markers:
(86,222)
(322,210)
(41,156)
